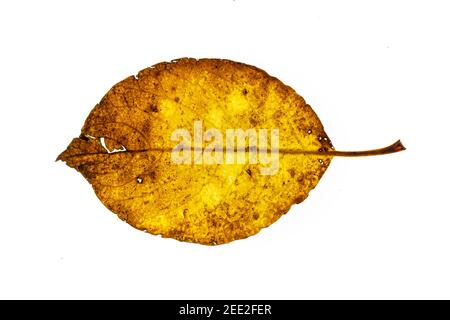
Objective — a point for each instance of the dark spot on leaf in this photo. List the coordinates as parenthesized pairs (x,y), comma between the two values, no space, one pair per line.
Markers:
(292,172)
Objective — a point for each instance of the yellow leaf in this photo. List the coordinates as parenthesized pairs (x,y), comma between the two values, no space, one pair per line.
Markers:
(205,151)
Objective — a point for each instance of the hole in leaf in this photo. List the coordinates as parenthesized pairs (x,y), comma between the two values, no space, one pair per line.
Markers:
(103,142)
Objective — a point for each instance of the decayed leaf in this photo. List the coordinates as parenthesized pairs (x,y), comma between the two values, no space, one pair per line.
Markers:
(122,150)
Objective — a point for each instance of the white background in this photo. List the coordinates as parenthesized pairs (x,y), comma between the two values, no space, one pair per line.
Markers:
(374,71)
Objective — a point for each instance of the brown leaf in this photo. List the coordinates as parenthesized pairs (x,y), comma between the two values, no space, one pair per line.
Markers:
(125,145)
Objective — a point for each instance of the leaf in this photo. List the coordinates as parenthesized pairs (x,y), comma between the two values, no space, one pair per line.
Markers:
(125,150)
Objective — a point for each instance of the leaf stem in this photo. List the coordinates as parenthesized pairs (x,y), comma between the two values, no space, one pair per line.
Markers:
(393,148)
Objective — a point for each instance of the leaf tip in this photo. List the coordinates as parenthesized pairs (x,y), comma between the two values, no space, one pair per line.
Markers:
(59,157)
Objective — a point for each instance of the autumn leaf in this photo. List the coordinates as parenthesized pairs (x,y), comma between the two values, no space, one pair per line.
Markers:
(126,150)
